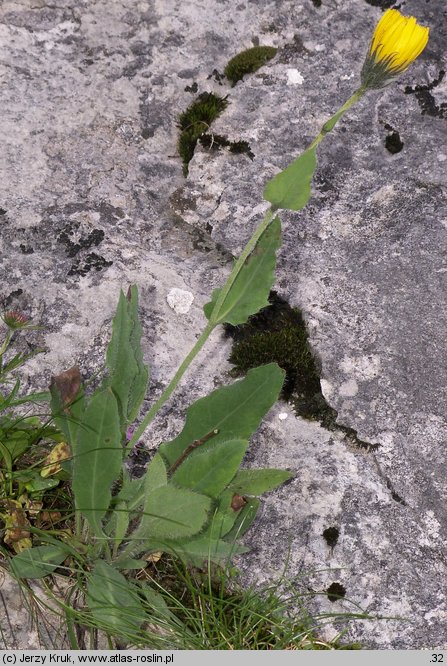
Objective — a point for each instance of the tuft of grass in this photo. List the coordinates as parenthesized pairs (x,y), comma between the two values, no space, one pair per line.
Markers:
(247,62)
(195,121)
(195,610)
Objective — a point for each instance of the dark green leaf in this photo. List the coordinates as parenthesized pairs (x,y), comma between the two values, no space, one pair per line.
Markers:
(250,291)
(112,601)
(258,481)
(209,468)
(38,484)
(97,458)
(37,562)
(235,410)
(290,189)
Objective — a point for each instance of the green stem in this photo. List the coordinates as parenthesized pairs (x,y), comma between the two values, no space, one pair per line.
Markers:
(213,322)
(330,124)
(171,386)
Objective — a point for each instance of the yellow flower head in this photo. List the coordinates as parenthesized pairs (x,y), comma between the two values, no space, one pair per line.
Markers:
(396,42)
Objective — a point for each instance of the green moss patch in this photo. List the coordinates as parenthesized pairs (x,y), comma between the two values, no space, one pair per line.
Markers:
(195,121)
(278,334)
(248,61)
(217,142)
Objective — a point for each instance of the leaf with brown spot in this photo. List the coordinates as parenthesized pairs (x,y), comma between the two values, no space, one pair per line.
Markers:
(67,384)
(67,402)
(238,502)
(17,533)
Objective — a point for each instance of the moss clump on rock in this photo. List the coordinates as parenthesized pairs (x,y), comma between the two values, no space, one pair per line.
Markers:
(195,121)
(217,142)
(248,62)
(278,334)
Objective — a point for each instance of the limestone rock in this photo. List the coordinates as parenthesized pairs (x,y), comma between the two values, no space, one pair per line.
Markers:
(93,198)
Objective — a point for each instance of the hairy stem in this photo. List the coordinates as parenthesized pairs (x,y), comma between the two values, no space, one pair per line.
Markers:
(330,124)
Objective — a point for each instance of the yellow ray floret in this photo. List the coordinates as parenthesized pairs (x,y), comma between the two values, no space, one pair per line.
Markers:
(396,42)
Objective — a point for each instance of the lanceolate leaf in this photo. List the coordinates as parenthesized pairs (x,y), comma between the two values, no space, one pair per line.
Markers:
(112,601)
(97,458)
(38,562)
(290,189)
(249,293)
(258,481)
(235,411)
(210,467)
(203,549)
(128,376)
(244,520)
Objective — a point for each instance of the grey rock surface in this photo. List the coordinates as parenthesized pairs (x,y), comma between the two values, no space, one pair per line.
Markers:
(93,198)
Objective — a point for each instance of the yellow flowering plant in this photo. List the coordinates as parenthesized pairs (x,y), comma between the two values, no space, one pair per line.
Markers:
(193,501)
(397,41)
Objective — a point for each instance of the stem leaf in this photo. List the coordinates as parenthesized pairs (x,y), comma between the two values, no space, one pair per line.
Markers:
(290,189)
(250,290)
(128,376)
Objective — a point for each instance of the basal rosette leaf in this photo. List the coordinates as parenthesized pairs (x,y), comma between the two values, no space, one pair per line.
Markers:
(97,458)
(235,411)
(38,562)
(111,599)
(172,513)
(128,376)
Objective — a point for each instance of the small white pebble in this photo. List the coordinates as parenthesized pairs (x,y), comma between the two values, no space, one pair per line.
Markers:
(294,78)
(283,416)
(180,300)
(326,388)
